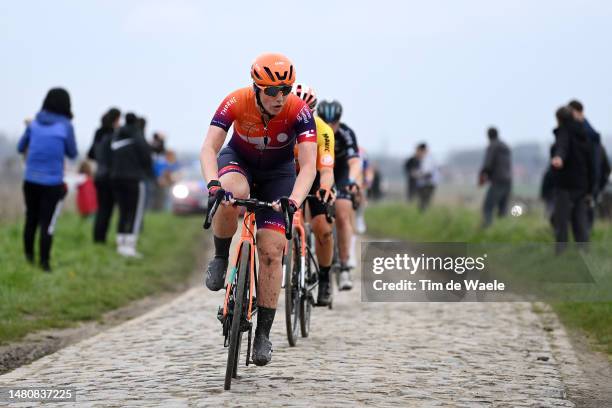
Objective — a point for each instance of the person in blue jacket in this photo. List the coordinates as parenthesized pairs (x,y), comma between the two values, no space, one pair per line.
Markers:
(47,139)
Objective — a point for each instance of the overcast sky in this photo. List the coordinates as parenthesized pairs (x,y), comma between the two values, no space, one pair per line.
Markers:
(405,71)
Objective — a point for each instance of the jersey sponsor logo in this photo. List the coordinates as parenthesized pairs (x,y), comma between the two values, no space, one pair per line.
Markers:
(227,105)
(259,143)
(282,137)
(308,134)
(218,123)
(326,139)
(118,144)
(327,160)
(304,115)
(274,225)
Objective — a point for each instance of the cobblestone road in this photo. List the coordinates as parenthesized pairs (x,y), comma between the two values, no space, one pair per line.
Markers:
(377,354)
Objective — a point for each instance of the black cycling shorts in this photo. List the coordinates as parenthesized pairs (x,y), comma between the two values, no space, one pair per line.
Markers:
(265,185)
(341,177)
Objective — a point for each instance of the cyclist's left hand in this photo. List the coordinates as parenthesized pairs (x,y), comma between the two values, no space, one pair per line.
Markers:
(353,188)
(326,195)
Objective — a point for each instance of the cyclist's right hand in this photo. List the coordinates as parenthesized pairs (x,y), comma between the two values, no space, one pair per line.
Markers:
(215,191)
(292,205)
(213,187)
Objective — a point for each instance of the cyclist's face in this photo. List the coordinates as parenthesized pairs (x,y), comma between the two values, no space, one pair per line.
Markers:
(273,104)
(335,125)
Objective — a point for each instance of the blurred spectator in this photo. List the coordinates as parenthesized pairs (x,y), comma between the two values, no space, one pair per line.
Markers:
(100,151)
(154,200)
(427,180)
(164,169)
(375,192)
(572,177)
(362,198)
(158,143)
(130,166)
(141,123)
(497,170)
(422,176)
(47,139)
(601,166)
(411,168)
(87,202)
(547,190)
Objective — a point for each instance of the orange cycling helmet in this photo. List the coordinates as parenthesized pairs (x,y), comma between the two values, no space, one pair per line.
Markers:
(272,70)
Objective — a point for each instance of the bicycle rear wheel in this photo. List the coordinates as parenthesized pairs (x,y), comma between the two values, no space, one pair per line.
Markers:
(291,266)
(240,301)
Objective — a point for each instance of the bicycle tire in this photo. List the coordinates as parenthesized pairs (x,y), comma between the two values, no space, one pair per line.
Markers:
(233,351)
(335,269)
(291,264)
(307,301)
(237,359)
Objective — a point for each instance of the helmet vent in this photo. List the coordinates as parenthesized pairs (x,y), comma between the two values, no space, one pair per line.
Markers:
(269,73)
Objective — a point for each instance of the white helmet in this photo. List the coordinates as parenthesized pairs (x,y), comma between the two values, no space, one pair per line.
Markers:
(306,93)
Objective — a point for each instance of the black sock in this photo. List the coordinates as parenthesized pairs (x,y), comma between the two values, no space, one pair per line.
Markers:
(324,273)
(265,317)
(222,247)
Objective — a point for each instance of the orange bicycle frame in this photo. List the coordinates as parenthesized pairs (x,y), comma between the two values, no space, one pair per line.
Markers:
(246,235)
(298,225)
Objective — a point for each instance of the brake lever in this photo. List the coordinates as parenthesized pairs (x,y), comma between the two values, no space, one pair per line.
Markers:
(287,217)
(213,205)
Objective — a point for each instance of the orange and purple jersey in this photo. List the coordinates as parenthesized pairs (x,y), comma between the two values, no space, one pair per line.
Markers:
(260,146)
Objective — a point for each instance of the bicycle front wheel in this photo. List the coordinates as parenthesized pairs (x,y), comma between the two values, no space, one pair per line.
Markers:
(291,267)
(240,303)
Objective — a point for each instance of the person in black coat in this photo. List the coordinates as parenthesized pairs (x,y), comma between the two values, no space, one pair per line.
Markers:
(497,170)
(572,173)
(412,167)
(131,165)
(601,166)
(100,151)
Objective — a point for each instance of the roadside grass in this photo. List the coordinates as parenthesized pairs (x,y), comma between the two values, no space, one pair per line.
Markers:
(88,279)
(446,224)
